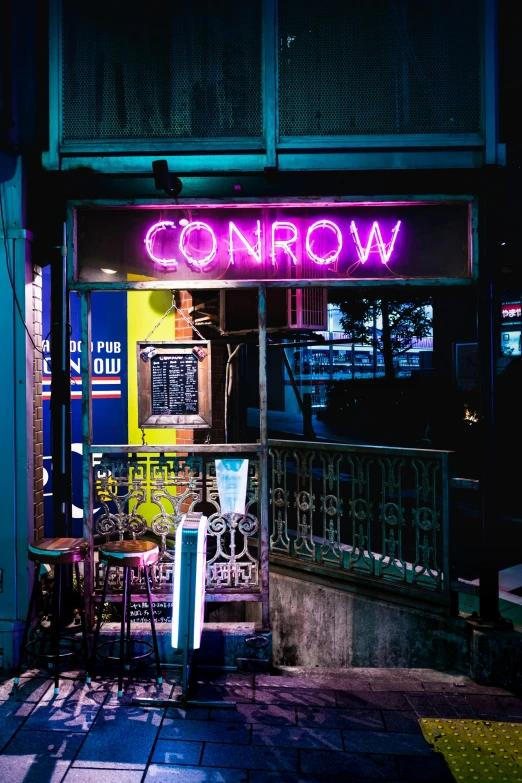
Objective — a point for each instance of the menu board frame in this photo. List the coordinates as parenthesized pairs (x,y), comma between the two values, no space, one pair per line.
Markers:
(146,418)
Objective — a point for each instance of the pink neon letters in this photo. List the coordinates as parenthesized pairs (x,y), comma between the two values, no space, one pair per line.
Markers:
(283,243)
(332,255)
(199,263)
(323,243)
(149,242)
(385,251)
(255,252)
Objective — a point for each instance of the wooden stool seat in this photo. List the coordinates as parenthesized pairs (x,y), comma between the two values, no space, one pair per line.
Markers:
(59,551)
(130,553)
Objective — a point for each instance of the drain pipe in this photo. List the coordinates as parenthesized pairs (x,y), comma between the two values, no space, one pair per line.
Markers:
(61,395)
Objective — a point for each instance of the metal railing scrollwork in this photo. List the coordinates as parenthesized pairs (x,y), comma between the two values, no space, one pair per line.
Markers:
(374,516)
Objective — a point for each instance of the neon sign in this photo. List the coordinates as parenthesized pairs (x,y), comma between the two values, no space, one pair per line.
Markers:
(163,225)
(254,252)
(323,243)
(333,255)
(384,250)
(200,263)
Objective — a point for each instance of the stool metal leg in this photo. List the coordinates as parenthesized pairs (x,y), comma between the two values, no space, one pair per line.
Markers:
(153,626)
(124,599)
(55,625)
(98,622)
(81,596)
(25,636)
(128,639)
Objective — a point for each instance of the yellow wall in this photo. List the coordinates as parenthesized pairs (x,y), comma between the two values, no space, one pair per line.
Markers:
(144,310)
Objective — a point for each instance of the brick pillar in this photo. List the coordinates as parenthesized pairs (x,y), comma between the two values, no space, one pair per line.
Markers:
(218,365)
(37,405)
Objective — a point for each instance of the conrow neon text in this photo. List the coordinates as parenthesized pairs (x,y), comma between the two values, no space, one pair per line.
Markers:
(322,242)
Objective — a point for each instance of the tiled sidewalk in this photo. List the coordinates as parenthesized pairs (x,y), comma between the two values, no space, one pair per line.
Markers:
(352,725)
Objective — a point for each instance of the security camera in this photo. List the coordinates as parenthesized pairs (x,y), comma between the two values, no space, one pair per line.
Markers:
(164,180)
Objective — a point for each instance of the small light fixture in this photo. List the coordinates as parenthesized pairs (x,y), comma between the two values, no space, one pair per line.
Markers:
(164,180)
(183,222)
(110,271)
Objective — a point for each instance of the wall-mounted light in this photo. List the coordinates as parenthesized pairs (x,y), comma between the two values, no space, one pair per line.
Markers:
(109,271)
(164,180)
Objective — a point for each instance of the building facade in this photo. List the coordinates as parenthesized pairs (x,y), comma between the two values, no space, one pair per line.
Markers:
(275,106)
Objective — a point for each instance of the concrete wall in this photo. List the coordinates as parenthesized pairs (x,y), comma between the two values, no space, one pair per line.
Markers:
(18,305)
(16,408)
(321,626)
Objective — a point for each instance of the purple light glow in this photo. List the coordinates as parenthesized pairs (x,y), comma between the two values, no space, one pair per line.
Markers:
(284,243)
(149,243)
(255,252)
(385,251)
(331,257)
(284,235)
(199,263)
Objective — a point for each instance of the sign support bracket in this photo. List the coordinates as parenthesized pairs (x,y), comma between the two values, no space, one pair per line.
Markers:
(185,637)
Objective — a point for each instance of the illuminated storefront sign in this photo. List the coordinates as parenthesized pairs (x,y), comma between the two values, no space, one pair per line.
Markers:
(188,598)
(511,311)
(511,329)
(284,237)
(276,242)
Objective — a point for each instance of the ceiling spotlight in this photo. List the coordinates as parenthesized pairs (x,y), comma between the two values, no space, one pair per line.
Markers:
(164,180)
(109,271)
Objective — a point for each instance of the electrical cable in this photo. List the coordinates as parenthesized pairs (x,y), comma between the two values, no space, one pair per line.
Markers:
(228,384)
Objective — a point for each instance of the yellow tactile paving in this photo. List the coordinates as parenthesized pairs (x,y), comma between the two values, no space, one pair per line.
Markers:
(477,749)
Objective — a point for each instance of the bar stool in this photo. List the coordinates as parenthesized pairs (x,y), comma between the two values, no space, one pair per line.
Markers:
(58,552)
(127,555)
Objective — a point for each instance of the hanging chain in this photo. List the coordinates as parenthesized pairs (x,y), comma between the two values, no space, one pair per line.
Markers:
(179,312)
(182,314)
(172,307)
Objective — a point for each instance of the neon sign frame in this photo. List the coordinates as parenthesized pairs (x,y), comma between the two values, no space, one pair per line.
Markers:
(292,242)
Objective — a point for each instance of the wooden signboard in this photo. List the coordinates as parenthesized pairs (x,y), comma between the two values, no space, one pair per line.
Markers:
(174,384)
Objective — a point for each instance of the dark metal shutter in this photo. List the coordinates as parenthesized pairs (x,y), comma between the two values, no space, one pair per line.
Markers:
(160,69)
(379,67)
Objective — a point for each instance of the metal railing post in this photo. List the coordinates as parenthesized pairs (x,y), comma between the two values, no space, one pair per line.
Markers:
(263,458)
(87,478)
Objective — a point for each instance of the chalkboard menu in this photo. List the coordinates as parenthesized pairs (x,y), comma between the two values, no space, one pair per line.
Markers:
(174,385)
(174,388)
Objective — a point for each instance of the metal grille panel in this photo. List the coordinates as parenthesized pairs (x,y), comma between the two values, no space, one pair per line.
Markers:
(159,69)
(379,67)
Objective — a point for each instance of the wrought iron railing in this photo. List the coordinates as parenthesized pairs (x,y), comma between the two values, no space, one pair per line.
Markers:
(371,516)
(147,493)
(367,514)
